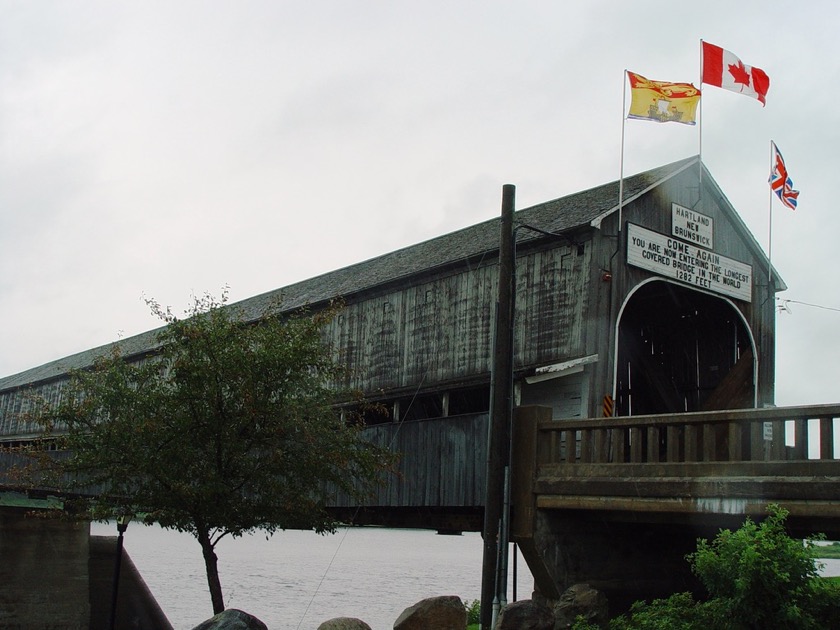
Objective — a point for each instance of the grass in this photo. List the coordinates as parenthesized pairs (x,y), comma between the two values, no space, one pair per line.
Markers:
(827,551)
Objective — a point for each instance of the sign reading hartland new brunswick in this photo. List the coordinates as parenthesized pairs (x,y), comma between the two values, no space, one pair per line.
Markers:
(692,226)
(677,259)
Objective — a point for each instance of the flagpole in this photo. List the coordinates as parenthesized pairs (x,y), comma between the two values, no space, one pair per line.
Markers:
(621,159)
(770,222)
(620,185)
(700,127)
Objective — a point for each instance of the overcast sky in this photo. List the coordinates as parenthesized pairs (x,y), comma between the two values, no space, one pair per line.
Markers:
(162,149)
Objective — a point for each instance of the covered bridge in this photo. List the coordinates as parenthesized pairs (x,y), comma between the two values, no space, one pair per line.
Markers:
(673,312)
(662,303)
(598,311)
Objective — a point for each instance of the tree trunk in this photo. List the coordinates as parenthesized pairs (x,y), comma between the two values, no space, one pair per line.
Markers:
(210,564)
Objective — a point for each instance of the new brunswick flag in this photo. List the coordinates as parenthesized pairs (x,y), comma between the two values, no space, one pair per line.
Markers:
(662,101)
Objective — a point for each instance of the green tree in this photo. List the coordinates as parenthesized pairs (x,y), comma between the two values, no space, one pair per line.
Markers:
(226,428)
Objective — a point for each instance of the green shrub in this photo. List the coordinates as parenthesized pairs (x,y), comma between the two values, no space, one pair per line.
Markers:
(759,575)
(756,577)
(678,612)
(582,624)
(473,611)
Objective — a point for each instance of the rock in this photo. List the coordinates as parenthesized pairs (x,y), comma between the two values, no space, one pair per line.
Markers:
(581,600)
(232,619)
(344,623)
(525,614)
(441,613)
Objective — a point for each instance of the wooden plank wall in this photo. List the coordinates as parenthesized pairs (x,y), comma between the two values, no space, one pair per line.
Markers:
(442,463)
(16,404)
(439,330)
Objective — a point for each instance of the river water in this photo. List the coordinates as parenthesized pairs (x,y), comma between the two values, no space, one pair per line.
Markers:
(296,580)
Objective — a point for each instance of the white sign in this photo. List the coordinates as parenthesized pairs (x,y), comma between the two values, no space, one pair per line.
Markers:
(692,226)
(768,431)
(687,263)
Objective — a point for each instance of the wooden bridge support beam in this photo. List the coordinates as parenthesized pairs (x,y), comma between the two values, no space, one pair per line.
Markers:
(523,500)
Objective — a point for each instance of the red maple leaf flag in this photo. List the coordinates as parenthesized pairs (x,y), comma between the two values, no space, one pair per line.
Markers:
(723,69)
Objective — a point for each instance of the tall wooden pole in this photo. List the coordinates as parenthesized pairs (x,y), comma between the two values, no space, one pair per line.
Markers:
(498,443)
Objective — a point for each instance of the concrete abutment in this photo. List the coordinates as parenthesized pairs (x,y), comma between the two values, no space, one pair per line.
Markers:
(55,575)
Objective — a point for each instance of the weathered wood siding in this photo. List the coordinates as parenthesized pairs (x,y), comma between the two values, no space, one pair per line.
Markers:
(439,331)
(435,330)
(552,304)
(442,463)
(16,407)
(431,328)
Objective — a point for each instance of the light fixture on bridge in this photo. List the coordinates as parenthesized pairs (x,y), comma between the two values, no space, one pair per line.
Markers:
(122,524)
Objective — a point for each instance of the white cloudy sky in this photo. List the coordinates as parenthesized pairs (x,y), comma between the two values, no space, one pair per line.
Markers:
(167,148)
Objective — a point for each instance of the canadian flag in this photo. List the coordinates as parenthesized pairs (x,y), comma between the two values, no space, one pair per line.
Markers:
(724,70)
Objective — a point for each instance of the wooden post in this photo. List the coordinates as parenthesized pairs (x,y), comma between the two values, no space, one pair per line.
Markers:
(826,438)
(525,462)
(523,468)
(800,439)
(691,440)
(652,444)
(736,442)
(757,441)
(571,446)
(619,445)
(672,443)
(498,447)
(636,452)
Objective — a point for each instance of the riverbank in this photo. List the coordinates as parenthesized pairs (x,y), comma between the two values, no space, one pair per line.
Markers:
(296,580)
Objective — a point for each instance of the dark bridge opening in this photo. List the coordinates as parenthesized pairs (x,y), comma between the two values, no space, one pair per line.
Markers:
(682,350)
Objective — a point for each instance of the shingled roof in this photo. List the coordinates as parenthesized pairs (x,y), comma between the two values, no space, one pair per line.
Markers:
(559,215)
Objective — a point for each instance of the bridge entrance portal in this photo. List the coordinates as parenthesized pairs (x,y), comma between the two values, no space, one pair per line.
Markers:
(682,350)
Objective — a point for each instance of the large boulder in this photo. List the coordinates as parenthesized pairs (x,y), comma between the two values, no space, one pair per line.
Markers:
(441,613)
(344,623)
(525,614)
(584,601)
(232,619)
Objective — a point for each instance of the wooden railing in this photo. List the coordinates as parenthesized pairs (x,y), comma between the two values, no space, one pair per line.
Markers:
(679,475)
(722,462)
(744,435)
(698,471)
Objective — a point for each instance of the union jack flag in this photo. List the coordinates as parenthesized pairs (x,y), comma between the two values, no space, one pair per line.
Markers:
(780,181)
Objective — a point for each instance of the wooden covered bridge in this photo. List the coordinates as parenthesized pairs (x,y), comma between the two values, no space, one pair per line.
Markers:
(657,312)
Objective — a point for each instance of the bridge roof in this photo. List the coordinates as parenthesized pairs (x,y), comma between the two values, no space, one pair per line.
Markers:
(583,209)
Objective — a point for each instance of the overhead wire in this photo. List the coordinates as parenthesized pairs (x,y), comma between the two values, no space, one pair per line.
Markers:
(358,508)
(783,307)
(390,447)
